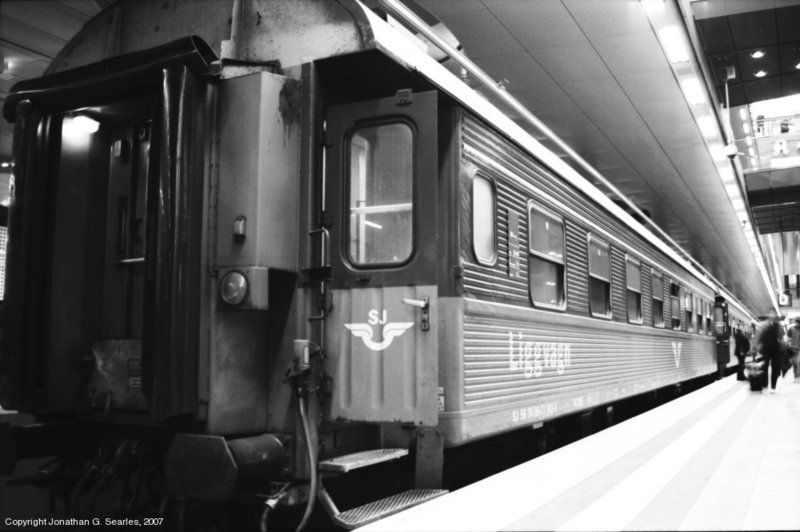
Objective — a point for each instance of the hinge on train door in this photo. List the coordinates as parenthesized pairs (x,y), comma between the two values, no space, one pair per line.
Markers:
(425,315)
(322,272)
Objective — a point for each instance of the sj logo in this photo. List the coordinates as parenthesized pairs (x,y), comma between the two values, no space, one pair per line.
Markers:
(390,330)
(676,353)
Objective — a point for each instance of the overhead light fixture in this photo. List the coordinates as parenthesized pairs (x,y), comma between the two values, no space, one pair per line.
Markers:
(86,124)
(717,151)
(797,66)
(674,44)
(760,74)
(693,91)
(758,54)
(5,164)
(707,125)
(727,176)
(79,126)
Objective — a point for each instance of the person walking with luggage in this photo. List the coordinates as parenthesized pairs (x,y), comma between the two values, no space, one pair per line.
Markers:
(742,347)
(794,343)
(768,343)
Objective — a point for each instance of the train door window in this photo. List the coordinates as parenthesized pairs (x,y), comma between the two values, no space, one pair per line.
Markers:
(708,318)
(484,221)
(381,193)
(719,319)
(658,299)
(546,271)
(599,278)
(633,275)
(675,295)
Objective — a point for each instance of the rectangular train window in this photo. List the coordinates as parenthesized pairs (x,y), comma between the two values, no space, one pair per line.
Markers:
(546,271)
(658,299)
(698,307)
(688,308)
(599,278)
(675,295)
(708,318)
(484,220)
(633,276)
(381,205)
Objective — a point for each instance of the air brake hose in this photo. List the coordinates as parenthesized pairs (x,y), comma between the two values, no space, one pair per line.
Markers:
(312,462)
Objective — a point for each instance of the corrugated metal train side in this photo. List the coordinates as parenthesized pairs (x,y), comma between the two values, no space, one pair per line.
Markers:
(514,364)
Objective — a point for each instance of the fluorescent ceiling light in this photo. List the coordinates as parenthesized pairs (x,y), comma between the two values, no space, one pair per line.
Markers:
(760,74)
(693,91)
(726,175)
(707,125)
(758,54)
(717,152)
(674,44)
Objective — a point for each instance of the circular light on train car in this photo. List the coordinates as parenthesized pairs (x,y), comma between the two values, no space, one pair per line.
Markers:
(233,288)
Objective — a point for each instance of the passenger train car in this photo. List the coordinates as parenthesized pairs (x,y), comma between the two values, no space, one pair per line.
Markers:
(257,244)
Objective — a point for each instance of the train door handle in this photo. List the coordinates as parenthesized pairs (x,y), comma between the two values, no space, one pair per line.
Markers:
(424,305)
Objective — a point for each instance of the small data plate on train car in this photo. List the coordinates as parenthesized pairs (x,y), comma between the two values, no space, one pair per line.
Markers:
(116,380)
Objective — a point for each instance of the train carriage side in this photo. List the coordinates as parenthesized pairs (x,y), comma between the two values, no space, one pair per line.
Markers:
(561,307)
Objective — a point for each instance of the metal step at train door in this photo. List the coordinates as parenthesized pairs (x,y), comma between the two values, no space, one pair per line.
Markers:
(373,510)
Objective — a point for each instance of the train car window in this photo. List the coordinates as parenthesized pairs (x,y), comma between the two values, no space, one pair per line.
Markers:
(546,267)
(688,309)
(599,278)
(675,294)
(484,221)
(381,204)
(658,299)
(708,318)
(699,313)
(633,275)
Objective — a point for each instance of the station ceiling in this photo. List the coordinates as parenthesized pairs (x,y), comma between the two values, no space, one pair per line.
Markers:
(596,73)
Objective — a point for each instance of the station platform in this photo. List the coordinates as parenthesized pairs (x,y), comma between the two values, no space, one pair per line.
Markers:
(720,458)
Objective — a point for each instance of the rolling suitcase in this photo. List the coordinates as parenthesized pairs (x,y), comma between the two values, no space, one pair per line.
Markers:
(755,375)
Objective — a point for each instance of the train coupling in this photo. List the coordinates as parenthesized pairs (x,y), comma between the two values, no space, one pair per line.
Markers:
(211,468)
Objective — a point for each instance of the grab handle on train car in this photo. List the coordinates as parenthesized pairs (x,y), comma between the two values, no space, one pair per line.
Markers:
(419,303)
(423,304)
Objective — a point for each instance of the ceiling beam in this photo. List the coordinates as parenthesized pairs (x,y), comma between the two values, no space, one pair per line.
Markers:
(773,196)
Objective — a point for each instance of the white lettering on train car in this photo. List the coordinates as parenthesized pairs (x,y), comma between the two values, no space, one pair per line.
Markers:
(676,353)
(533,413)
(533,358)
(390,330)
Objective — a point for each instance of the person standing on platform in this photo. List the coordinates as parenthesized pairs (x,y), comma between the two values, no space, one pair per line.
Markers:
(794,342)
(742,347)
(768,343)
